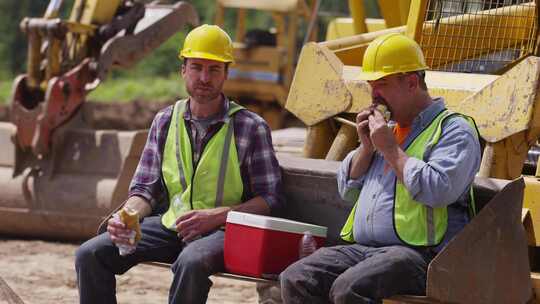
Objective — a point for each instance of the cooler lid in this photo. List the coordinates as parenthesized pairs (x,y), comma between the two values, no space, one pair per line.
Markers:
(274,223)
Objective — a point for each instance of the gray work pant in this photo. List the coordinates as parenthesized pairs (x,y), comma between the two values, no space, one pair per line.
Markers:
(355,274)
(98,261)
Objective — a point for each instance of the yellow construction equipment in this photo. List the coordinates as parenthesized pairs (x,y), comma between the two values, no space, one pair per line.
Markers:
(263,69)
(483,59)
(59,176)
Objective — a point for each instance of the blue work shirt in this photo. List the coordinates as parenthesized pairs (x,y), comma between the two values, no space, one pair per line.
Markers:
(443,178)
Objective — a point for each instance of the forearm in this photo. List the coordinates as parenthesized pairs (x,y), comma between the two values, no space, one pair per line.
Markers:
(256,205)
(397,159)
(140,205)
(360,162)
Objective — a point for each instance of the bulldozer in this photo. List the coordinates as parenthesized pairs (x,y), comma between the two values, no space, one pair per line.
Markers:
(265,58)
(61,177)
(483,59)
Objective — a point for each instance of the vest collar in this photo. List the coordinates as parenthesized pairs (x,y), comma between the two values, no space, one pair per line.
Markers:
(221,117)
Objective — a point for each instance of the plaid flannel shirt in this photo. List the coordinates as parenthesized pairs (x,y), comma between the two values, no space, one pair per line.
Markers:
(259,167)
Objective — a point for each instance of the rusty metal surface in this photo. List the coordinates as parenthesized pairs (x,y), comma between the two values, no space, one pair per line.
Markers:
(324,87)
(317,90)
(66,195)
(63,96)
(510,100)
(487,262)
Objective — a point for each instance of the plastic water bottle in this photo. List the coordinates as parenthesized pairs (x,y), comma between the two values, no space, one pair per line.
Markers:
(308,245)
(126,249)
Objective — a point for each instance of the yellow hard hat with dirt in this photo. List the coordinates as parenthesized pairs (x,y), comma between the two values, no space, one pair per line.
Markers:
(208,42)
(392,54)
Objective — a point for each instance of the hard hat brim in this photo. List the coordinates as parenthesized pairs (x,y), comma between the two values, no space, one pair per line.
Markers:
(372,76)
(204,55)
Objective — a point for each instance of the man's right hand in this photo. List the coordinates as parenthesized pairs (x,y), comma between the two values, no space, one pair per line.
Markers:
(118,232)
(362,157)
(362,128)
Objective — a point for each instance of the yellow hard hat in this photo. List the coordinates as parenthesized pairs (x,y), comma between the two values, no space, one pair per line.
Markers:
(391,54)
(208,42)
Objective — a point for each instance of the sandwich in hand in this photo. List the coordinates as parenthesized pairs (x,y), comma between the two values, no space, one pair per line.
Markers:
(384,111)
(131,219)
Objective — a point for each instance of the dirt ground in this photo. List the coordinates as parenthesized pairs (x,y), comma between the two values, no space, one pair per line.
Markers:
(43,272)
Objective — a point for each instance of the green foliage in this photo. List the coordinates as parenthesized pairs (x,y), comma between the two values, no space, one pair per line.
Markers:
(142,88)
(155,77)
(5,91)
(162,62)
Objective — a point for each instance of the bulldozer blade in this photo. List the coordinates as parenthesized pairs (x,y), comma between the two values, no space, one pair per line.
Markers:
(318,68)
(487,262)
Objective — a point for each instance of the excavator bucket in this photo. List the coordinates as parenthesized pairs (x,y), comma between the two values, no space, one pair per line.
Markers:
(59,175)
(85,177)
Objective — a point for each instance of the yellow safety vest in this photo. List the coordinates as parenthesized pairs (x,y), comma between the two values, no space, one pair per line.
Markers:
(213,181)
(415,223)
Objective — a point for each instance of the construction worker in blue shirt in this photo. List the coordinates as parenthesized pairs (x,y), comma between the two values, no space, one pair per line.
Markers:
(410,185)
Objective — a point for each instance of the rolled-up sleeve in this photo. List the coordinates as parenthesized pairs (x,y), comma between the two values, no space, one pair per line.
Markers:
(348,188)
(449,168)
(146,181)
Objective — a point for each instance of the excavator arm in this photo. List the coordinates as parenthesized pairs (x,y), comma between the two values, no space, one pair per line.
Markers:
(69,58)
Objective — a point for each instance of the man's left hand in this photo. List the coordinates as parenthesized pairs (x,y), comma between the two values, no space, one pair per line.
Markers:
(199,222)
(381,135)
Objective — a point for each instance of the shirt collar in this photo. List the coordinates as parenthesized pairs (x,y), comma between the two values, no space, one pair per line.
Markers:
(221,117)
(428,114)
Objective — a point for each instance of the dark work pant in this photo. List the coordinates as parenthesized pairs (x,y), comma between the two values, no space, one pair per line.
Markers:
(97,261)
(355,274)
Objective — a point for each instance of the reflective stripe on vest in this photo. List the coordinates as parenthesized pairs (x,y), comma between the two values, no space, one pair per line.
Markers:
(213,181)
(415,223)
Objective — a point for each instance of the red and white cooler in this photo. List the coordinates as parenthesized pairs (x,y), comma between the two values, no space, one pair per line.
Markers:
(263,246)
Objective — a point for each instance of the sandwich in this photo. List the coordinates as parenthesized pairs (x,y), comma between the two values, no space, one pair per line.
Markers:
(384,111)
(130,218)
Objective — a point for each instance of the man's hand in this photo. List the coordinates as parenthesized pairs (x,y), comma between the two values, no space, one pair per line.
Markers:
(362,128)
(118,232)
(380,134)
(199,222)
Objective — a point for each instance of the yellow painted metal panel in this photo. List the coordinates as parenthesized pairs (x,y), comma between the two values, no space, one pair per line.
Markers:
(280,6)
(326,94)
(358,13)
(343,27)
(94,11)
(510,98)
(416,18)
(505,106)
(394,12)
(104,11)
(531,201)
(453,87)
